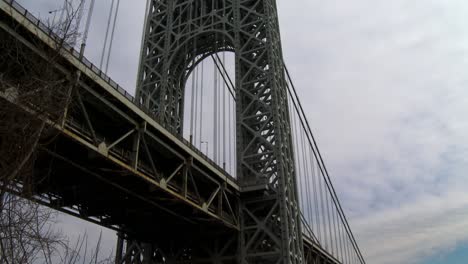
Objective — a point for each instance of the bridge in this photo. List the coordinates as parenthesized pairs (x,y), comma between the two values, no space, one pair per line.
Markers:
(129,164)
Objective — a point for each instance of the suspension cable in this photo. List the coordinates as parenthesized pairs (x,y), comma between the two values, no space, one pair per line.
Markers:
(321,164)
(316,182)
(307,182)
(78,19)
(192,95)
(107,33)
(224,121)
(222,70)
(86,30)
(333,212)
(224,77)
(62,13)
(201,104)
(215,117)
(112,35)
(328,222)
(195,130)
(219,127)
(142,50)
(230,137)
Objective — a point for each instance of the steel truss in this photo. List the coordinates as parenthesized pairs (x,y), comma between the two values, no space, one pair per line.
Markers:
(110,163)
(181,33)
(221,248)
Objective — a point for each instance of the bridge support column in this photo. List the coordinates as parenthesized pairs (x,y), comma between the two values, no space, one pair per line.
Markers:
(180,34)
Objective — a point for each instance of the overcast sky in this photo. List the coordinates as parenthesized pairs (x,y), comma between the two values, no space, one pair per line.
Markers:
(384,85)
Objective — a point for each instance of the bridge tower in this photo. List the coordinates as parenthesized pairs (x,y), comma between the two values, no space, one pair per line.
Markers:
(179,34)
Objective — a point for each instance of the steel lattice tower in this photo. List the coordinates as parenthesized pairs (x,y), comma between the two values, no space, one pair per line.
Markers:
(181,33)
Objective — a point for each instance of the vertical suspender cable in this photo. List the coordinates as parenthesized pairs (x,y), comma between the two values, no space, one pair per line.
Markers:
(86,30)
(224,93)
(303,158)
(345,249)
(230,136)
(335,240)
(224,120)
(343,245)
(142,51)
(219,119)
(296,152)
(215,116)
(78,18)
(338,241)
(112,35)
(215,97)
(201,104)
(192,95)
(62,13)
(314,186)
(234,135)
(322,211)
(307,183)
(343,232)
(328,222)
(335,222)
(195,132)
(324,171)
(341,241)
(107,33)
(348,255)
(306,171)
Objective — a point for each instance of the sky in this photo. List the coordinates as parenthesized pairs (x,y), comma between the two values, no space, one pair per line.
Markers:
(383,86)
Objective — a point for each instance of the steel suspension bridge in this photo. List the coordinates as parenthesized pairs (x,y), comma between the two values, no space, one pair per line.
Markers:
(213,159)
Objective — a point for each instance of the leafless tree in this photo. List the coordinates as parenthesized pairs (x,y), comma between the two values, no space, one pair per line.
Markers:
(30,80)
(34,95)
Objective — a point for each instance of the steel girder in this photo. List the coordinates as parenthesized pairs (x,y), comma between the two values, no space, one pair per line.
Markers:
(110,163)
(181,33)
(220,249)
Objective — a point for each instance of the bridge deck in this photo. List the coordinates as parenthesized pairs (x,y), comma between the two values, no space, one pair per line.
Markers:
(106,128)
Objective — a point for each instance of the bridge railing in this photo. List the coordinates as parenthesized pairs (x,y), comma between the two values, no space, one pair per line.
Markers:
(323,218)
(69,48)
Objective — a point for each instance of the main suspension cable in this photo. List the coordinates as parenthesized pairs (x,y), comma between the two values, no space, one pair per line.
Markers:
(224,76)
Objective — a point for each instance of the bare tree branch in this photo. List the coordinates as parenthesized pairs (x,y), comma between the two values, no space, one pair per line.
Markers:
(29,77)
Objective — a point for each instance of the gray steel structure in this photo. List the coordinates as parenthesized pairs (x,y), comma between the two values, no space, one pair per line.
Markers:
(179,34)
(109,162)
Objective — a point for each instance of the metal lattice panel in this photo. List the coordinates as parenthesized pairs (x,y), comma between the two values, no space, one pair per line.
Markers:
(179,34)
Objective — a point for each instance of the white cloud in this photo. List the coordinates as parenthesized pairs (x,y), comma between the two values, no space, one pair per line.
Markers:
(386,85)
(408,233)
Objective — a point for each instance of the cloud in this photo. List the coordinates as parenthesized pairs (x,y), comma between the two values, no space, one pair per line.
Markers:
(386,82)
(415,230)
